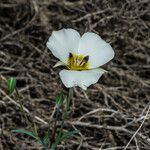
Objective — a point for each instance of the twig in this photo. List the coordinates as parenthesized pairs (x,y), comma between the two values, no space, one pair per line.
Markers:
(97,110)
(90,14)
(6,68)
(24,108)
(35,6)
(138,129)
(116,128)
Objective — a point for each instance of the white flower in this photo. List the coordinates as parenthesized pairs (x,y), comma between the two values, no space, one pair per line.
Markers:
(81,54)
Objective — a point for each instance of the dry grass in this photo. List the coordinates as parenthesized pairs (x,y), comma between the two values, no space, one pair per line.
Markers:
(111,115)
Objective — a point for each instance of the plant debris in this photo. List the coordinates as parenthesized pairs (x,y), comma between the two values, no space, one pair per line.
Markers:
(110,115)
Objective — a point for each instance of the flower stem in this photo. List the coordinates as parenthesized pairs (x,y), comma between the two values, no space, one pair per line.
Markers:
(54,128)
(65,114)
(70,95)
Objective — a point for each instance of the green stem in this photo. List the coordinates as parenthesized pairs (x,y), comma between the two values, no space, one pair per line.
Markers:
(70,95)
(55,128)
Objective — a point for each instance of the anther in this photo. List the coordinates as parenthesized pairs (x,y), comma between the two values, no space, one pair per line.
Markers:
(86,58)
(84,61)
(70,55)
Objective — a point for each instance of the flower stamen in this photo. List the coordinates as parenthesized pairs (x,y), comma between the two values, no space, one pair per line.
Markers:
(78,62)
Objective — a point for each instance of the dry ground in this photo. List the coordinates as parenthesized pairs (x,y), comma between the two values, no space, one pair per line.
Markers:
(110,112)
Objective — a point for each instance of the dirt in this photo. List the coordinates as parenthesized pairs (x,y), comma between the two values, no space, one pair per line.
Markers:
(117,106)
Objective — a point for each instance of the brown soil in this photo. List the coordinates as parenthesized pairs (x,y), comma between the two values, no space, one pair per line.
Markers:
(117,104)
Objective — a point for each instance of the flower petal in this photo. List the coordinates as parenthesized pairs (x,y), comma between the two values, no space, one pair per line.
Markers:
(62,42)
(99,51)
(82,79)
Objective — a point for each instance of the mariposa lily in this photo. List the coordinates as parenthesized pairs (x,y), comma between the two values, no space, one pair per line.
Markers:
(82,56)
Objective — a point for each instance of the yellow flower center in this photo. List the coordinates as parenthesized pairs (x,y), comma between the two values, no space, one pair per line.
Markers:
(78,62)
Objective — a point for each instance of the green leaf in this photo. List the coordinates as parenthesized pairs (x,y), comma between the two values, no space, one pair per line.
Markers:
(64,136)
(25,132)
(11,83)
(46,139)
(68,134)
(60,99)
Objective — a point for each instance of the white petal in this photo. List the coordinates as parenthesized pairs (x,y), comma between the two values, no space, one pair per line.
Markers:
(99,51)
(82,79)
(62,42)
